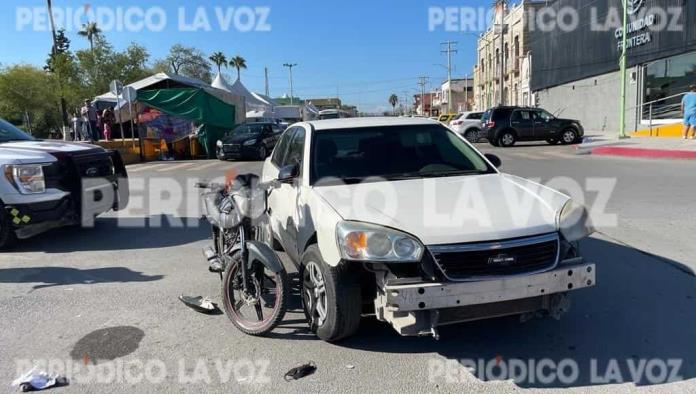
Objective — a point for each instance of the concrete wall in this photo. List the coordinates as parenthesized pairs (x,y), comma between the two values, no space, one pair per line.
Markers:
(594,101)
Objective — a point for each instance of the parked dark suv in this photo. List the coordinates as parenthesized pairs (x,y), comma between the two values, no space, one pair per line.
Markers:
(504,126)
(249,140)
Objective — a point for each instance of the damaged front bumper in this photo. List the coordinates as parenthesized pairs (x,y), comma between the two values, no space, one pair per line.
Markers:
(417,308)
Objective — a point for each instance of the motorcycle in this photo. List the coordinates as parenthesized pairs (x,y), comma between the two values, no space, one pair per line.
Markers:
(255,285)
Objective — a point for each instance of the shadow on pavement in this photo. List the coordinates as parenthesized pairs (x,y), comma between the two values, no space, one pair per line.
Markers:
(642,310)
(62,276)
(120,234)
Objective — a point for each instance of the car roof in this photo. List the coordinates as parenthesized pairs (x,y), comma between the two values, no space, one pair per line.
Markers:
(350,123)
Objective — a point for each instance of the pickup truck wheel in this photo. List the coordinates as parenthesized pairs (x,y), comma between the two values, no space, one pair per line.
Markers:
(331,297)
(7,236)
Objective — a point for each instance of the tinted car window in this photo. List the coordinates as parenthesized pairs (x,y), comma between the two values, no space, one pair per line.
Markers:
(521,115)
(392,152)
(475,115)
(296,148)
(282,147)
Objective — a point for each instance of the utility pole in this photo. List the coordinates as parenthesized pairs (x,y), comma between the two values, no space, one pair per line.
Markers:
(622,66)
(449,51)
(265,69)
(290,66)
(502,7)
(422,81)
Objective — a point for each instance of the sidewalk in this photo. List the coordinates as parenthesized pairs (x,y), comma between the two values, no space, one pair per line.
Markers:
(639,147)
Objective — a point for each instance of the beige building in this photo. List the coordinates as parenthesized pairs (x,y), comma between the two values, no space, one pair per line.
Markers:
(516,63)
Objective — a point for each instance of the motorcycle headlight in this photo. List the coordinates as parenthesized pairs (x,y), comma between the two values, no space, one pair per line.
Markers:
(27,178)
(249,142)
(219,144)
(369,242)
(574,222)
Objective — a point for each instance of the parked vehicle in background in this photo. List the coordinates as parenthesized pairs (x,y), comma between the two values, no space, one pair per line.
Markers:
(504,126)
(468,124)
(249,140)
(333,114)
(446,118)
(51,183)
(405,267)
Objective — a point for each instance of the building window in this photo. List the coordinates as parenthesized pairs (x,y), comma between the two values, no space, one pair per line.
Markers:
(665,82)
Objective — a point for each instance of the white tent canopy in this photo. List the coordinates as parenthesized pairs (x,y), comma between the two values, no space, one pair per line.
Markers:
(223,94)
(254,101)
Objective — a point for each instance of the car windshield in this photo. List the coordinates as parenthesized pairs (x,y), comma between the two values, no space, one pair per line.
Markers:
(8,133)
(393,153)
(248,130)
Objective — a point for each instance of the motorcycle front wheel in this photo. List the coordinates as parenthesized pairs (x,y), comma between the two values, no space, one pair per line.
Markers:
(258,310)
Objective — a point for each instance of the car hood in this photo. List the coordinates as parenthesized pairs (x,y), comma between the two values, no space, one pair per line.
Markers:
(41,151)
(238,139)
(452,209)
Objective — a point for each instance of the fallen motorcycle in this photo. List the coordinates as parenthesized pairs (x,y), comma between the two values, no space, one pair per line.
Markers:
(255,285)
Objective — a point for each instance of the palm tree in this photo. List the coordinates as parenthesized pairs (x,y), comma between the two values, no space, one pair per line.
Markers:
(393,100)
(219,59)
(239,63)
(91,31)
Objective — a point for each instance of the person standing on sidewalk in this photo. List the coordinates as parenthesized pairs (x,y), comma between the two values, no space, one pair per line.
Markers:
(689,111)
(108,120)
(89,115)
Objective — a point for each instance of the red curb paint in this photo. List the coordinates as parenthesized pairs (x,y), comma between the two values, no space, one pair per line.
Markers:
(644,153)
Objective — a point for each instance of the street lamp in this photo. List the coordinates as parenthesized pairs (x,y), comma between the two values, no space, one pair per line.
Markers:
(622,66)
(290,66)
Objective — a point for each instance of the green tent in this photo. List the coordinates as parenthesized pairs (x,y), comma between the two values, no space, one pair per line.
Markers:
(197,105)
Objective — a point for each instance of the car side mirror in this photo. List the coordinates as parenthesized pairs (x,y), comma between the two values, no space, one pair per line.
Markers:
(495,160)
(288,173)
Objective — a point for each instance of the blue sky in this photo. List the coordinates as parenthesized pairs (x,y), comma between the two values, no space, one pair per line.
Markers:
(360,50)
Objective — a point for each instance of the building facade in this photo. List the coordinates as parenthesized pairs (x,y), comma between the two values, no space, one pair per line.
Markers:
(512,54)
(575,73)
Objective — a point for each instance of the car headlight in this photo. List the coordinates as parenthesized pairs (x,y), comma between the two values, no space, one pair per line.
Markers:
(219,144)
(27,178)
(249,142)
(369,242)
(574,222)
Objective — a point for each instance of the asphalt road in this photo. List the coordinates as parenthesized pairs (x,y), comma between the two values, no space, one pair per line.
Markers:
(103,302)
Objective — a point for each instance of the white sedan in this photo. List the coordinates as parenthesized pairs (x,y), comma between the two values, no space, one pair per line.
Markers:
(404,219)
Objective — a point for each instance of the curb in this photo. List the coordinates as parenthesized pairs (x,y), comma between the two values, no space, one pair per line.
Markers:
(644,153)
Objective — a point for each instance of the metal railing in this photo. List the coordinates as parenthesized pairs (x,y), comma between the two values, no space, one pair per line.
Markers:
(659,112)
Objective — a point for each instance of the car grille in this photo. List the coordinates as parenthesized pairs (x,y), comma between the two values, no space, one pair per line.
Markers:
(510,257)
(94,166)
(231,148)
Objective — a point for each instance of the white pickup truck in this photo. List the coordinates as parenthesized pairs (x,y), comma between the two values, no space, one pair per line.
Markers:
(50,183)
(405,220)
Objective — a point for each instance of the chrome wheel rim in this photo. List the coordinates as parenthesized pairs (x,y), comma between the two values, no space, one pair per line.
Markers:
(508,139)
(568,136)
(315,294)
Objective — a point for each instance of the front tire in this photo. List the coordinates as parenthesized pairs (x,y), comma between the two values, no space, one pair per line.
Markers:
(254,320)
(331,297)
(569,136)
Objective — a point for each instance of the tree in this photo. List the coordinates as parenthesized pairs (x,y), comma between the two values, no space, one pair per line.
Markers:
(219,59)
(27,93)
(91,31)
(239,63)
(187,61)
(393,100)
